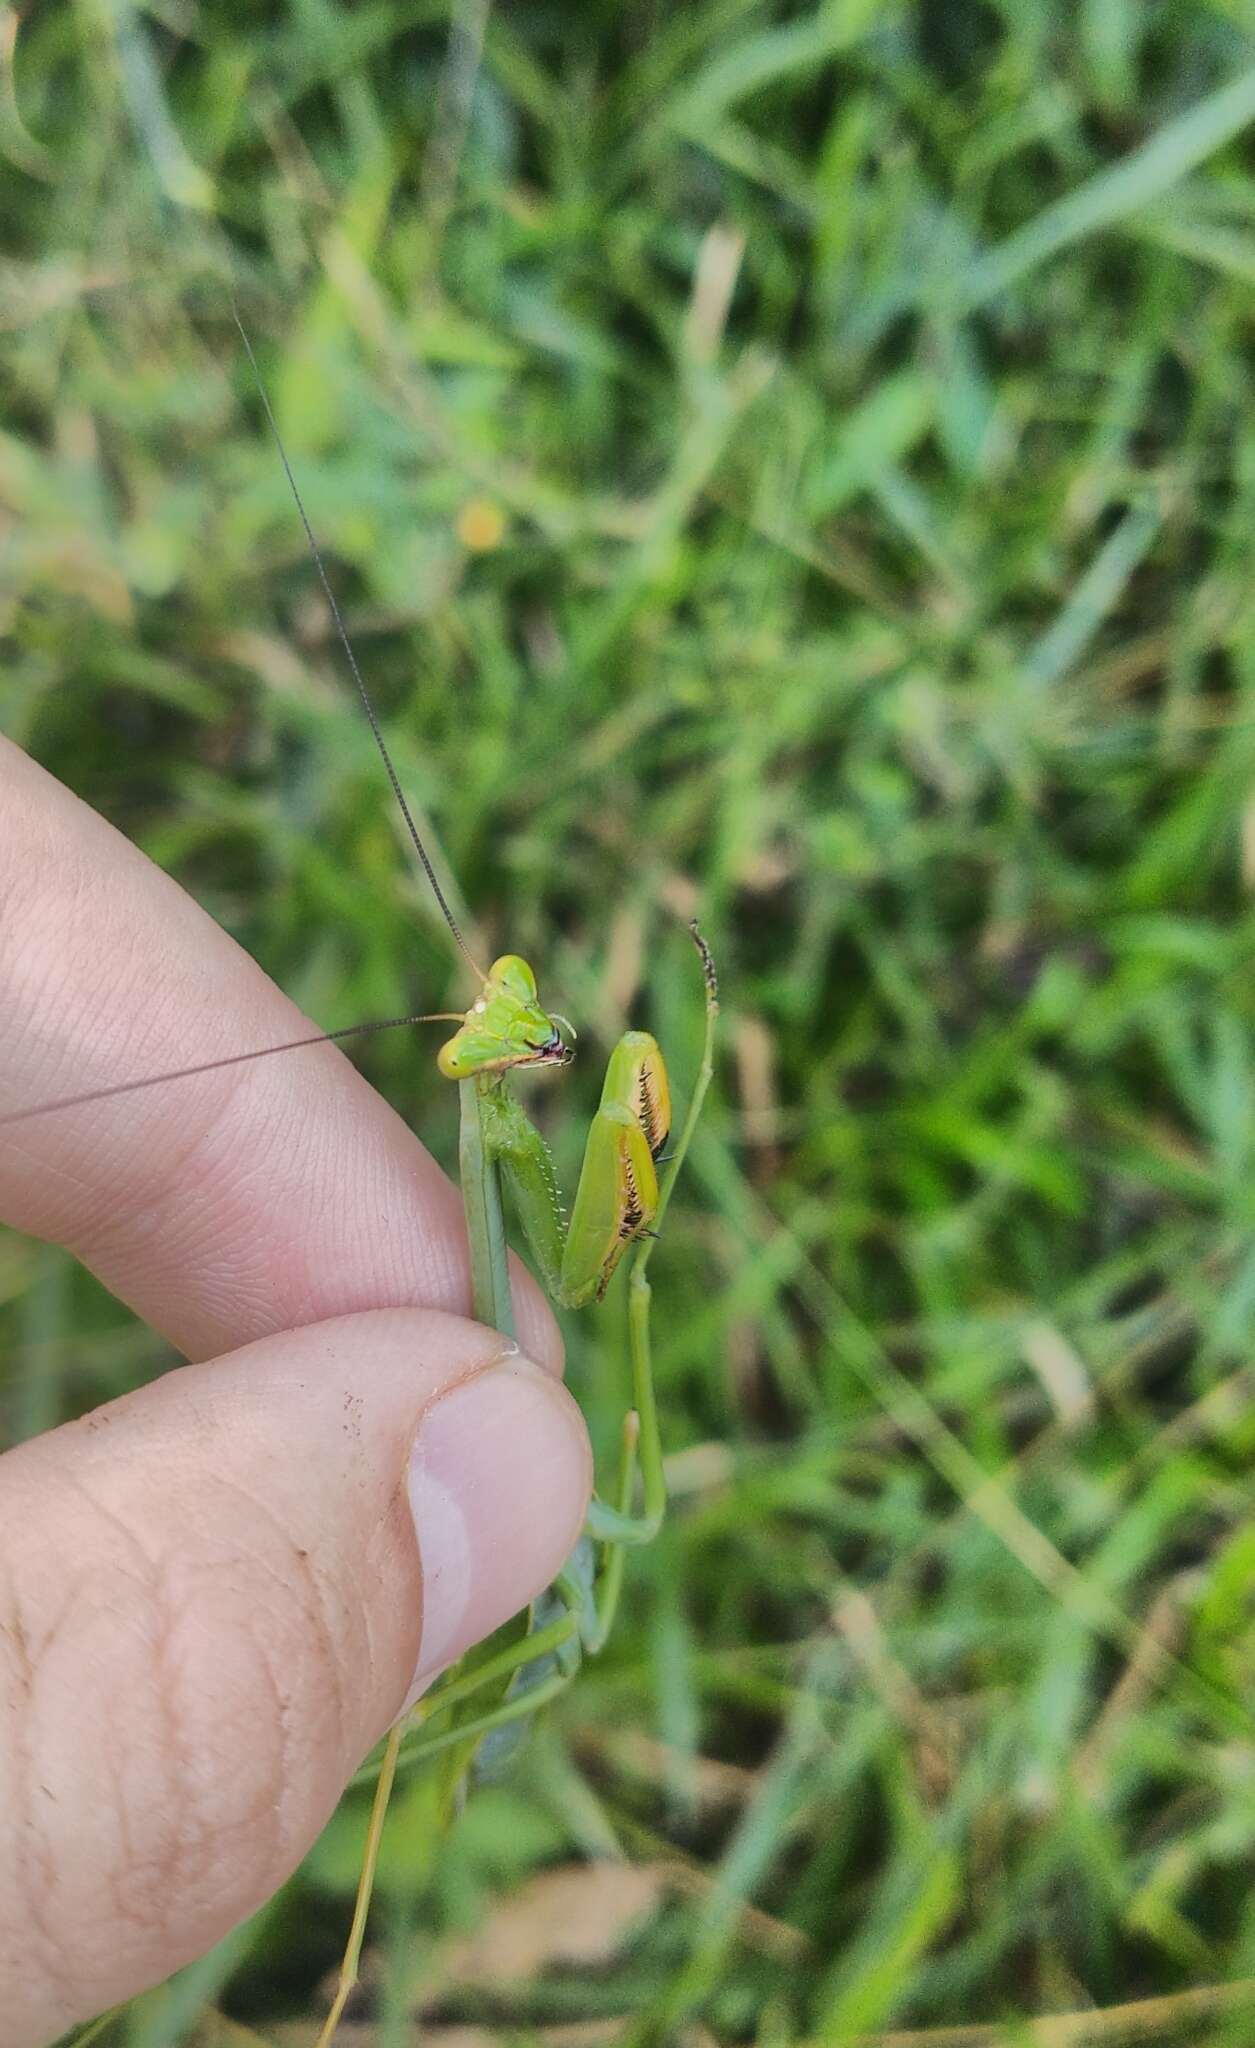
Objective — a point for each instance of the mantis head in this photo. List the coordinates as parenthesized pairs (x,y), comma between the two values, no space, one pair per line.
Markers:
(505,1027)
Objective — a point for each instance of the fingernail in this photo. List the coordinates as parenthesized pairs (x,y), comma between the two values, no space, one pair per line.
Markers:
(498,1483)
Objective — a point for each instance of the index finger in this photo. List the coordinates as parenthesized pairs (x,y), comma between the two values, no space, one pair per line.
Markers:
(225,1205)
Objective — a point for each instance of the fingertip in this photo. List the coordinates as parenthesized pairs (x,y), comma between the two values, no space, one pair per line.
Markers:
(499,1480)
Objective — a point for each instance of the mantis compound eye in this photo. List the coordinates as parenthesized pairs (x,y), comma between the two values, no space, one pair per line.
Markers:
(512,976)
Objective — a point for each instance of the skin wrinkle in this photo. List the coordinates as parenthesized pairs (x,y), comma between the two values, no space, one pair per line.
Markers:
(338,1145)
(120,1866)
(147,1889)
(395,1517)
(335,1653)
(342,1647)
(39,1877)
(193,1164)
(315,1610)
(52,999)
(195,1831)
(49,1169)
(61,1080)
(292,1770)
(280,1830)
(149,1814)
(42,967)
(118,1873)
(62,872)
(92,1241)
(196,1841)
(22,1785)
(169,1871)
(229,1296)
(74,1479)
(279,1812)
(207,1844)
(169,1799)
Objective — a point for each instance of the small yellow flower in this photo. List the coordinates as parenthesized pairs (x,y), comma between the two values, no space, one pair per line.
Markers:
(481,525)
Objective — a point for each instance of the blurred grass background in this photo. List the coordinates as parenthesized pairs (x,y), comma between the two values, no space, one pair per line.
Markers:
(797,461)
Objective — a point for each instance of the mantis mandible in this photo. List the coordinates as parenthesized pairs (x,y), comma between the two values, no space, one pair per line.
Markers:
(623,1192)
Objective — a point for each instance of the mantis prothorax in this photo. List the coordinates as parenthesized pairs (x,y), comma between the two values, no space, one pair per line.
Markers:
(619,1206)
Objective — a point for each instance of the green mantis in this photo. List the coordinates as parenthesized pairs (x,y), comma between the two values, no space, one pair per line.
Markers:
(619,1207)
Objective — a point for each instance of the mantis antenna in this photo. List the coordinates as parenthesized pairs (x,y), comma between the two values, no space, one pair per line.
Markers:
(351,1030)
(367,704)
(232,1059)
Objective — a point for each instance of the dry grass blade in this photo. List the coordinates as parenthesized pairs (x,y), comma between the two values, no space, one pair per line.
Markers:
(1117,2026)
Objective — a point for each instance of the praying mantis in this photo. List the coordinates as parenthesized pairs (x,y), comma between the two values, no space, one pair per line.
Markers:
(619,1206)
(623,1192)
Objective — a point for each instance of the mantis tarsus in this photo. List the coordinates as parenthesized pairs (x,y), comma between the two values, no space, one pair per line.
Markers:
(623,1193)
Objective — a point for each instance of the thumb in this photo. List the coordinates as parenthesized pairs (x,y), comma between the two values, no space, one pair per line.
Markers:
(215,1595)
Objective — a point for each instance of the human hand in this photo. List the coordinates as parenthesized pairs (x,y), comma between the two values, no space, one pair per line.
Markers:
(217,1592)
